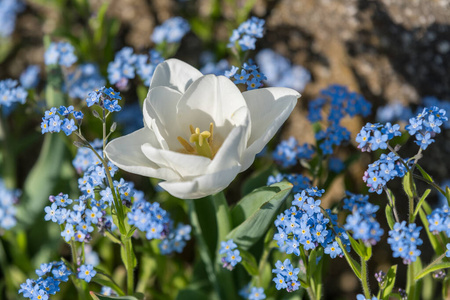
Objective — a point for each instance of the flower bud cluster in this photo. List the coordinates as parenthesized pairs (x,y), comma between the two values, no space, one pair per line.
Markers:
(404,240)
(232,256)
(50,277)
(52,122)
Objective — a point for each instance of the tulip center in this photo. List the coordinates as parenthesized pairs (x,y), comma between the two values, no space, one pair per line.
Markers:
(202,140)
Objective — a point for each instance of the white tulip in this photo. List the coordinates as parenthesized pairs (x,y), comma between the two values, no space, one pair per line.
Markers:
(200,130)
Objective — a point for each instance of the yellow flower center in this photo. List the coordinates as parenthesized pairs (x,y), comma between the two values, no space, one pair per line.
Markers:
(202,140)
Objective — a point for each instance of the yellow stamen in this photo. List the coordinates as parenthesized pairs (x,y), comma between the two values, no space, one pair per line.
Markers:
(202,139)
(186,145)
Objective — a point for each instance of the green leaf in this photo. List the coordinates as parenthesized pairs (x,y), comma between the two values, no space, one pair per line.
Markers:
(424,174)
(422,199)
(257,179)
(389,283)
(428,270)
(97,296)
(432,238)
(390,217)
(257,211)
(249,263)
(407,185)
(189,294)
(356,267)
(357,247)
(105,281)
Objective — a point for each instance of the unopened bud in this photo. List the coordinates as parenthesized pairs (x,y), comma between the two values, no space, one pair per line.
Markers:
(113,127)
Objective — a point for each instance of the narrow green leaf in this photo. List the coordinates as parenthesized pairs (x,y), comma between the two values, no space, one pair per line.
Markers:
(105,281)
(112,237)
(97,296)
(424,174)
(436,267)
(368,251)
(389,282)
(390,217)
(249,263)
(407,185)
(258,214)
(433,240)
(419,204)
(357,247)
(356,267)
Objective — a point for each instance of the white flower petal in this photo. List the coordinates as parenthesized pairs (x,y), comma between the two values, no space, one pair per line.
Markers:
(201,186)
(184,164)
(125,152)
(160,114)
(175,74)
(269,109)
(210,99)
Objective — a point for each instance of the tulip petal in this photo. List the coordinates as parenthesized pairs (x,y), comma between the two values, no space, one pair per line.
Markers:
(269,109)
(210,99)
(125,152)
(160,114)
(184,164)
(201,186)
(175,74)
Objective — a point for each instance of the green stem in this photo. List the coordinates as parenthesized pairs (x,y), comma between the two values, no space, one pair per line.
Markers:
(364,279)
(202,246)
(130,266)
(430,183)
(78,284)
(222,216)
(411,284)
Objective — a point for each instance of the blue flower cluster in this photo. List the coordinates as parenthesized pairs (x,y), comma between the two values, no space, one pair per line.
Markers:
(252,293)
(9,9)
(210,66)
(126,64)
(247,33)
(86,272)
(361,297)
(50,277)
(342,103)
(29,78)
(8,198)
(171,31)
(377,136)
(381,171)
(126,118)
(336,165)
(393,112)
(52,122)
(404,240)
(439,221)
(232,256)
(83,79)
(362,221)
(85,158)
(299,181)
(248,75)
(106,98)
(288,152)
(433,101)
(156,223)
(60,53)
(426,125)
(280,71)
(304,225)
(11,93)
(286,276)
